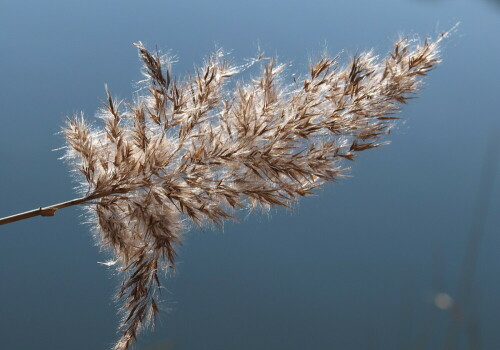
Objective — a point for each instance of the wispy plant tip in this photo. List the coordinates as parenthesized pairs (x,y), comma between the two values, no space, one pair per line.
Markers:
(194,150)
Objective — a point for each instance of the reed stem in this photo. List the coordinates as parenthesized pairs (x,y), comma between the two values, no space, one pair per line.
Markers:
(43,211)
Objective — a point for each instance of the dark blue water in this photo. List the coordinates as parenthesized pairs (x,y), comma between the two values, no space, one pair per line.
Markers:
(356,268)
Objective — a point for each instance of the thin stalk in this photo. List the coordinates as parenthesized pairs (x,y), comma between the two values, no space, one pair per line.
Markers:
(44,211)
(51,209)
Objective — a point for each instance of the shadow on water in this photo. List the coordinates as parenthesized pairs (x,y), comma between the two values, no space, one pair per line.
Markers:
(426,332)
(464,313)
(495,3)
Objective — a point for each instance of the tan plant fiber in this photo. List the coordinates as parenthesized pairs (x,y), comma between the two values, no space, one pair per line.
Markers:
(197,149)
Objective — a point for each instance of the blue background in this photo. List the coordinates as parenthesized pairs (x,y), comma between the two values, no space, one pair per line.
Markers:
(356,268)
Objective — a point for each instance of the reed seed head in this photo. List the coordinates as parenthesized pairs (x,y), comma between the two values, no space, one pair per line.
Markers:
(196,149)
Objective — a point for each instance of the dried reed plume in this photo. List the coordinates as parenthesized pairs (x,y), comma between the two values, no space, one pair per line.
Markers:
(190,150)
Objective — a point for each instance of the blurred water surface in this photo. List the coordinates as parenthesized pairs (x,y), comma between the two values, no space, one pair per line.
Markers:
(358,267)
